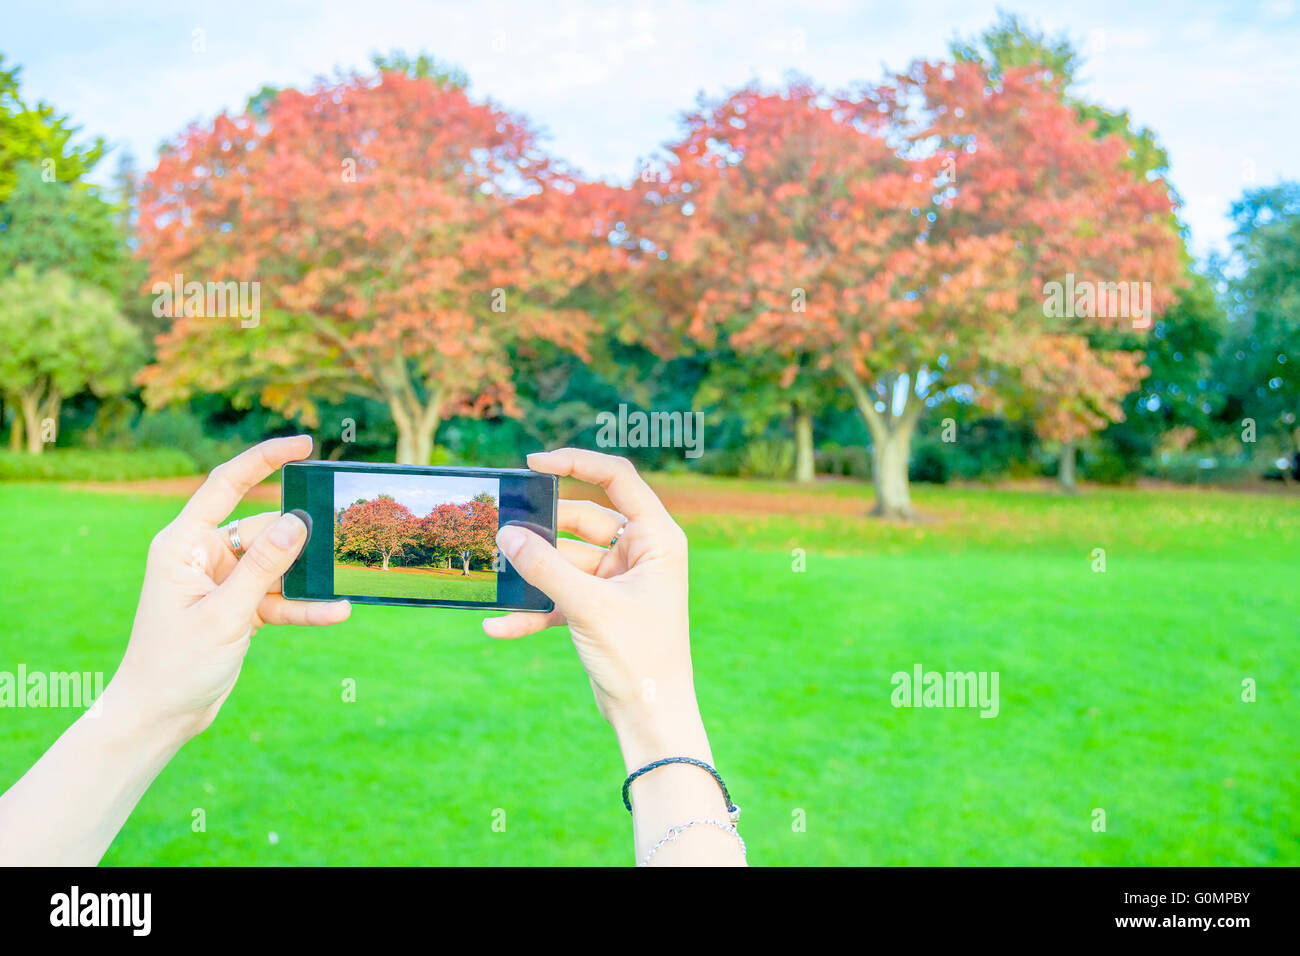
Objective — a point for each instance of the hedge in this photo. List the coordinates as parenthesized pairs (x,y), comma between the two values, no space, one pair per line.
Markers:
(85,464)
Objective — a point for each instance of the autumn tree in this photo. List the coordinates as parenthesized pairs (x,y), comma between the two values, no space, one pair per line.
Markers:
(404,237)
(898,238)
(806,230)
(1084,387)
(466,531)
(1073,389)
(380,527)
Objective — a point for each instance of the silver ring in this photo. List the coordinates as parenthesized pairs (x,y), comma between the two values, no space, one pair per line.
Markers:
(232,535)
(617,534)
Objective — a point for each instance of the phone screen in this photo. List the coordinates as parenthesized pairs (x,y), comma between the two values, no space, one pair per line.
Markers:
(394,534)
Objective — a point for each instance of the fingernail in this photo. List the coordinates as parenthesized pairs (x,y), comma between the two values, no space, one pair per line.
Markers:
(510,539)
(287,530)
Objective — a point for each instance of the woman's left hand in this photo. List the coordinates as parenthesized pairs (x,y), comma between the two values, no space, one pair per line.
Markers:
(200,605)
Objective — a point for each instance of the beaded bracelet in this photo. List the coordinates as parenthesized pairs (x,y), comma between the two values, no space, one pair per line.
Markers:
(733,811)
(675,831)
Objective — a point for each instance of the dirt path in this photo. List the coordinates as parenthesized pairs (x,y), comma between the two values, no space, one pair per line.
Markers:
(694,497)
(678,500)
(171,487)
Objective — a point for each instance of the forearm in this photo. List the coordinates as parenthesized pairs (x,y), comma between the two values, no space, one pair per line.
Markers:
(674,794)
(67,809)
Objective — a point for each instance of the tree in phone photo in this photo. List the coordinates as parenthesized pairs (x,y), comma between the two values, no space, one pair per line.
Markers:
(464,532)
(379,530)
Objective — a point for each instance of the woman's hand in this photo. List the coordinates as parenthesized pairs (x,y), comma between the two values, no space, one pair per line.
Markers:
(626,603)
(200,606)
(624,597)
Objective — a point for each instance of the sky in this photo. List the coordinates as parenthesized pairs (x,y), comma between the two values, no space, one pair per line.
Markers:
(419,493)
(607,81)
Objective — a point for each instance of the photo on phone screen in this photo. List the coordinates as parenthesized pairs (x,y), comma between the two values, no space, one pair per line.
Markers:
(415,536)
(385,534)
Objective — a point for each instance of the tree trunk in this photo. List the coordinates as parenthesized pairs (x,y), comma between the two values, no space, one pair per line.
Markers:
(891,440)
(1065,472)
(414,438)
(32,424)
(889,458)
(16,429)
(804,471)
(464,560)
(385,562)
(417,421)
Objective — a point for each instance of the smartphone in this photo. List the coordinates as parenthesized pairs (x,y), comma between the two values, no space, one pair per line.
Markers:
(425,537)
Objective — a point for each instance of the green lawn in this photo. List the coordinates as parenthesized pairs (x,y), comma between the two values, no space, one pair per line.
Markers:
(1118,690)
(432,584)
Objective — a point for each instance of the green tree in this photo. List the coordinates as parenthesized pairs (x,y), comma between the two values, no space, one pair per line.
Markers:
(64,226)
(59,336)
(1259,365)
(1180,391)
(37,134)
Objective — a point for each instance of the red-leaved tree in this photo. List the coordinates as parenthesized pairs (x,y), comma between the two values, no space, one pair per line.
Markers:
(467,530)
(404,237)
(897,239)
(379,528)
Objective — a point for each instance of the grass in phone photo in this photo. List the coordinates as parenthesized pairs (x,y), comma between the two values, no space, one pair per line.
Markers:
(416,537)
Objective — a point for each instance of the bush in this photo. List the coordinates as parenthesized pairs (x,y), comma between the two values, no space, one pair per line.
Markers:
(81,464)
(1207,468)
(851,461)
(180,430)
(1107,467)
(767,458)
(930,465)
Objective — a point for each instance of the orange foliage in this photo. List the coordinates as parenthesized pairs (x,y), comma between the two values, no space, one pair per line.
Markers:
(403,236)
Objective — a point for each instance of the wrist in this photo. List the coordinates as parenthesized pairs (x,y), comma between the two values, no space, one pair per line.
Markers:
(121,716)
(664,728)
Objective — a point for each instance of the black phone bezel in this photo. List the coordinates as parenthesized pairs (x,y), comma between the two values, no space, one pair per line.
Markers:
(294,582)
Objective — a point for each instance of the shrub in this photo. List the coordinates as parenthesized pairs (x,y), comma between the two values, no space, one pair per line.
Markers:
(929,464)
(767,458)
(1107,467)
(851,461)
(179,429)
(722,462)
(1207,468)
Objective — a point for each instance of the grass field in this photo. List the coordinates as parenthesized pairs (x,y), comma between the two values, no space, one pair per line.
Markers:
(1118,690)
(438,584)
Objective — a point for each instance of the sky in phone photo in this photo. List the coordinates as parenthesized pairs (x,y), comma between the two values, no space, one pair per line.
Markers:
(420,493)
(607,83)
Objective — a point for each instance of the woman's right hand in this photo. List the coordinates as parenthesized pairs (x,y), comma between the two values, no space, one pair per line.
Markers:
(626,603)
(624,597)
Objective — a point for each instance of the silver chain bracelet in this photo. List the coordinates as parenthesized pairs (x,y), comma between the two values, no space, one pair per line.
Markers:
(675,831)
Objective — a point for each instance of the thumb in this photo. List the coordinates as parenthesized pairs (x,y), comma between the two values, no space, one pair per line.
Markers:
(262,565)
(542,566)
